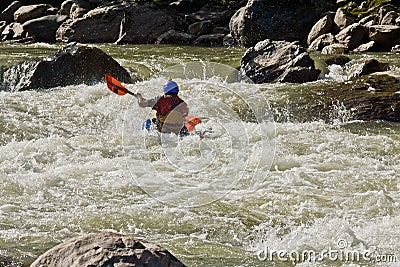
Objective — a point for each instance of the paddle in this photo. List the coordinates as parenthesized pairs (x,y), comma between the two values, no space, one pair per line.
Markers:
(116,87)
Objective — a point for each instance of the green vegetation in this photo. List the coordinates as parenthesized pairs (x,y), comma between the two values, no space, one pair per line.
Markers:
(369,7)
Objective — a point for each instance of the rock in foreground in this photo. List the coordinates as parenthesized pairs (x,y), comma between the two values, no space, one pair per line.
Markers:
(107,249)
(73,64)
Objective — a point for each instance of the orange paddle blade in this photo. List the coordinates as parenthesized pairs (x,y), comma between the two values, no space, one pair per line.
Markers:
(191,122)
(115,86)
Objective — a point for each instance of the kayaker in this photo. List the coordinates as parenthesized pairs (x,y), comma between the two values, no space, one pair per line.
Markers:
(170,109)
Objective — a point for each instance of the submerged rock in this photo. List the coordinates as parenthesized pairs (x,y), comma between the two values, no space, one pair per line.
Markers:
(73,64)
(107,250)
(272,61)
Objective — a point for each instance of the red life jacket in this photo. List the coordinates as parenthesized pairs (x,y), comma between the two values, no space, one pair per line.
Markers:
(170,112)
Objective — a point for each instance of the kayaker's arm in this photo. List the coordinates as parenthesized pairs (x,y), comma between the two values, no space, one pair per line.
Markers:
(143,103)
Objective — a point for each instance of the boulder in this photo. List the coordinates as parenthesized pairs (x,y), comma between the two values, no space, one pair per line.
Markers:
(13,31)
(369,97)
(100,25)
(25,13)
(107,249)
(201,27)
(65,8)
(396,49)
(175,37)
(44,29)
(323,26)
(8,13)
(383,10)
(73,64)
(276,20)
(367,47)
(365,67)
(352,36)
(321,41)
(385,36)
(343,19)
(373,18)
(215,39)
(337,60)
(334,49)
(144,23)
(389,18)
(228,40)
(271,61)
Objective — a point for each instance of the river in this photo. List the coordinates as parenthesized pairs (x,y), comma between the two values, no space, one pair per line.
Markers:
(252,192)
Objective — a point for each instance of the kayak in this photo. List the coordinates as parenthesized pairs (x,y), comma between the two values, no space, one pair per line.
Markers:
(148,126)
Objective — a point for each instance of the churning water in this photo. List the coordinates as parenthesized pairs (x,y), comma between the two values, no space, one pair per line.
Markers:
(251,193)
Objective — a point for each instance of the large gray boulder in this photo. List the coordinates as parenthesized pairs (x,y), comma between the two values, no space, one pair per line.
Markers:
(278,61)
(25,13)
(44,29)
(107,250)
(73,64)
(343,19)
(276,20)
(323,26)
(353,36)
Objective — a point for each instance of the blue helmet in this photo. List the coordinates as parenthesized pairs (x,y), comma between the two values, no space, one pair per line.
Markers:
(171,87)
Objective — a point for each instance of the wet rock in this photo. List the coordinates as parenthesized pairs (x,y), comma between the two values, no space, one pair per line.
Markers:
(73,64)
(323,26)
(334,49)
(276,20)
(175,37)
(44,29)
(357,69)
(353,36)
(107,249)
(210,40)
(321,41)
(337,60)
(271,61)
(369,97)
(386,36)
(343,19)
(8,13)
(25,13)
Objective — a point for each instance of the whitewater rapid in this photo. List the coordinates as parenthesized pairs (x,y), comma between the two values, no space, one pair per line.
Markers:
(73,160)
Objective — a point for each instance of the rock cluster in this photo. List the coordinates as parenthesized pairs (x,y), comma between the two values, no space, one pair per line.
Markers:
(121,22)
(375,29)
